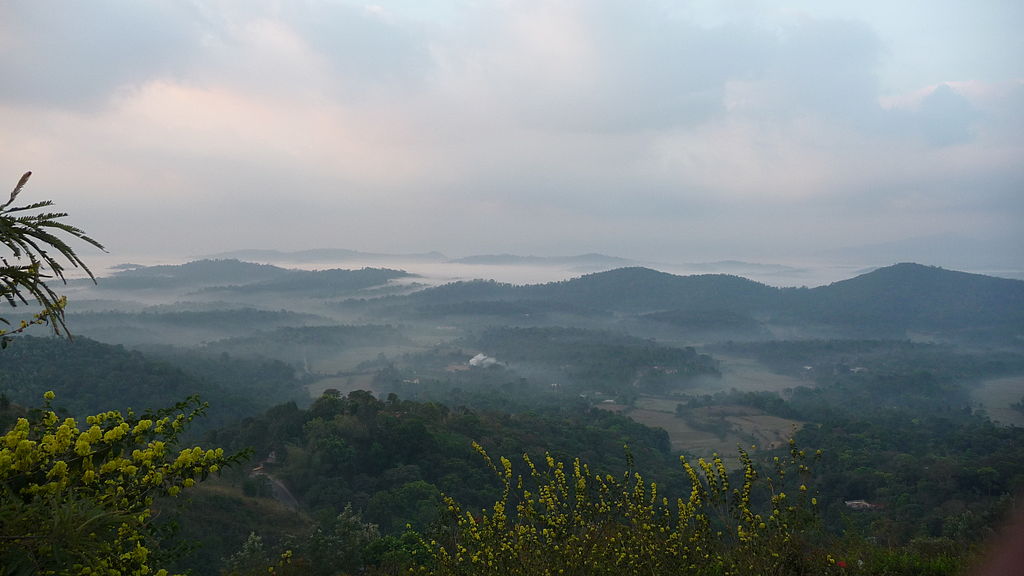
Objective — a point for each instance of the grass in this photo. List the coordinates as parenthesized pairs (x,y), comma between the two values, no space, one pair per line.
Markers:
(344,384)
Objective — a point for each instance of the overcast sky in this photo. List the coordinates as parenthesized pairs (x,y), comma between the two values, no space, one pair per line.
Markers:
(645,129)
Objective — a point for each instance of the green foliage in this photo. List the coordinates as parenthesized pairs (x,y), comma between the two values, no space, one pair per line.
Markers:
(82,500)
(391,459)
(30,237)
(564,517)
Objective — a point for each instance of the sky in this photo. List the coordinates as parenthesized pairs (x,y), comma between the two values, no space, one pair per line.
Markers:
(674,130)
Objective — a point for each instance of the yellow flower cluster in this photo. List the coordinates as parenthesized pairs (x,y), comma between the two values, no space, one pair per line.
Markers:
(79,500)
(558,519)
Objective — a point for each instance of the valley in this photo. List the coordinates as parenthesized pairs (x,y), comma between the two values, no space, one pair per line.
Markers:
(363,389)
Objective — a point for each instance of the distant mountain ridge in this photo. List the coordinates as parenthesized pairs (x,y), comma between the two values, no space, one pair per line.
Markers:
(209,272)
(323,255)
(591,259)
(234,275)
(342,255)
(892,301)
(898,301)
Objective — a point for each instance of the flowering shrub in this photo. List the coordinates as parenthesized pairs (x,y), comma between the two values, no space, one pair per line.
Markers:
(79,499)
(554,520)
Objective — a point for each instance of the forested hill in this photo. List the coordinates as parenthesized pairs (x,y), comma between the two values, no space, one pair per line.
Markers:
(887,302)
(236,276)
(90,377)
(393,458)
(912,295)
(193,274)
(623,289)
(643,289)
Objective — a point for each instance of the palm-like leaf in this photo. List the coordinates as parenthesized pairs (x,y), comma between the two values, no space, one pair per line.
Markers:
(37,253)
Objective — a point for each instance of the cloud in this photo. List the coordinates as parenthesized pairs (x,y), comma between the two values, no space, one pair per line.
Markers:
(946,116)
(597,125)
(598,66)
(362,44)
(75,54)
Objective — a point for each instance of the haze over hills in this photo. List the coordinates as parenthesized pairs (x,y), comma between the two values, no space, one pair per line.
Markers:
(436,268)
(1004,254)
(321,255)
(899,301)
(235,275)
(341,254)
(512,260)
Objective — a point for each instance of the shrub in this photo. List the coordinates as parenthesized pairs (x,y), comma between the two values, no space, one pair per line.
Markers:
(555,519)
(82,500)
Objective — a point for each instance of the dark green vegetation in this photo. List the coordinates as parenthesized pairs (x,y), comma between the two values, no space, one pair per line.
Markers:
(393,458)
(90,377)
(898,430)
(363,401)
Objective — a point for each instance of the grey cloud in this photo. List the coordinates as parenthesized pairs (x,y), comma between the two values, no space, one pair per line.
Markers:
(673,74)
(679,136)
(827,67)
(361,45)
(75,54)
(945,117)
(659,72)
(642,69)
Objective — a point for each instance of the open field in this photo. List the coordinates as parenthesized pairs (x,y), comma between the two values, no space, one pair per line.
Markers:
(685,438)
(658,403)
(347,359)
(996,396)
(767,431)
(725,427)
(344,384)
(745,375)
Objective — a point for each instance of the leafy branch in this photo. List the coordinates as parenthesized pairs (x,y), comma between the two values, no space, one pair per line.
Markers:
(36,254)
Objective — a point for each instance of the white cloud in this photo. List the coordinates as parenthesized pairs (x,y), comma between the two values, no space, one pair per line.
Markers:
(502,126)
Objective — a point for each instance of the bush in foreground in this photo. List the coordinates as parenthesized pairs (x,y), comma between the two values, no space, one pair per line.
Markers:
(554,519)
(80,500)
